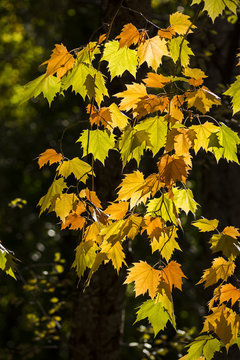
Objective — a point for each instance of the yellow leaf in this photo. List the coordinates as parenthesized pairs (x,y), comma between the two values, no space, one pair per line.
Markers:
(130,188)
(92,232)
(60,61)
(165,242)
(196,75)
(64,204)
(203,133)
(202,99)
(231,231)
(206,225)
(146,278)
(131,96)
(118,118)
(114,253)
(51,156)
(152,51)
(183,141)
(180,23)
(229,292)
(220,269)
(80,169)
(117,211)
(74,220)
(128,36)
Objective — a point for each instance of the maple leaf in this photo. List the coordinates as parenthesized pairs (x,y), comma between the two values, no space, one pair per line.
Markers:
(48,86)
(172,169)
(7,261)
(196,75)
(118,118)
(183,141)
(206,225)
(180,23)
(228,245)
(205,345)
(64,204)
(129,188)
(120,59)
(203,133)
(99,117)
(85,257)
(163,207)
(131,96)
(183,199)
(202,99)
(60,61)
(88,53)
(179,50)
(150,104)
(97,142)
(49,155)
(55,190)
(80,169)
(229,292)
(228,140)
(231,231)
(117,211)
(156,314)
(146,278)
(152,51)
(157,129)
(172,275)
(132,144)
(114,253)
(166,33)
(220,269)
(74,220)
(156,80)
(128,36)
(92,232)
(215,8)
(163,240)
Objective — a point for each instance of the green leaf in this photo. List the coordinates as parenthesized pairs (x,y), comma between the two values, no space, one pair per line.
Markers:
(86,81)
(157,129)
(183,199)
(229,140)
(55,190)
(7,261)
(97,142)
(132,144)
(85,256)
(215,8)
(80,169)
(178,48)
(164,208)
(234,92)
(49,86)
(120,60)
(156,314)
(204,345)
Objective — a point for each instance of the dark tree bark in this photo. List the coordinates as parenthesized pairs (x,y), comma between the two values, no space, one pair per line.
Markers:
(97,321)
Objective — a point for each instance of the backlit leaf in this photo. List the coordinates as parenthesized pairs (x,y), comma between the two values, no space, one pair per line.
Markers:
(202,99)
(172,275)
(128,36)
(229,292)
(51,156)
(205,345)
(97,142)
(172,169)
(120,59)
(234,92)
(220,269)
(156,80)
(180,23)
(215,8)
(80,169)
(179,49)
(55,190)
(64,204)
(229,140)
(85,256)
(131,96)
(60,61)
(203,133)
(131,188)
(7,261)
(152,51)
(156,314)
(117,211)
(206,225)
(163,207)
(114,252)
(146,278)
(229,246)
(183,199)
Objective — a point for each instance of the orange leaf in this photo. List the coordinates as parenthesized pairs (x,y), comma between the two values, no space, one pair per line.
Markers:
(91,196)
(99,117)
(117,211)
(129,35)
(172,275)
(101,38)
(183,141)
(150,104)
(172,169)
(74,220)
(51,156)
(231,231)
(146,278)
(166,33)
(60,61)
(156,80)
(229,292)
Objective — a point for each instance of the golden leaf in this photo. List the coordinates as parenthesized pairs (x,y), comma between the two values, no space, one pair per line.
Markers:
(229,292)
(156,80)
(117,211)
(74,220)
(180,23)
(91,196)
(51,156)
(231,231)
(152,51)
(60,61)
(172,169)
(166,33)
(172,275)
(131,96)
(128,36)
(146,278)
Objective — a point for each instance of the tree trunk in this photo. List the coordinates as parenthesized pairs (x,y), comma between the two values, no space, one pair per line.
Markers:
(97,321)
